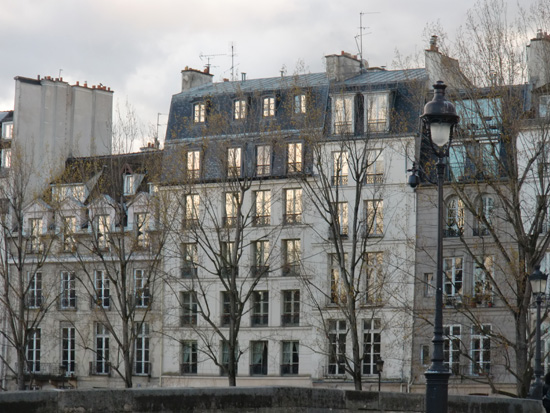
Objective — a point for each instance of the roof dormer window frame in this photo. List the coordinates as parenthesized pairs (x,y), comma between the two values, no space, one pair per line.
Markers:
(343,113)
(269,106)
(199,112)
(377,111)
(7,130)
(240,109)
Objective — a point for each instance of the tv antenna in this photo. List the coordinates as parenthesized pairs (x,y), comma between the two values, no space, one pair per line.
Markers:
(361,34)
(209,57)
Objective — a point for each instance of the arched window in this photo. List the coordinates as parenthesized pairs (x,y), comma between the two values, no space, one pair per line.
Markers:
(455,218)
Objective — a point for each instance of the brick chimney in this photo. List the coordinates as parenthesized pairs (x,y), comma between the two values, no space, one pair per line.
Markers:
(191,78)
(441,67)
(343,66)
(538,60)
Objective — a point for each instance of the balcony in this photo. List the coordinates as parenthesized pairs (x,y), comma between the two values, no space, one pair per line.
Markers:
(48,371)
(291,319)
(343,233)
(481,232)
(259,320)
(142,368)
(292,219)
(259,271)
(261,220)
(289,369)
(291,270)
(453,232)
(188,368)
(188,271)
(188,320)
(100,368)
(339,180)
(374,179)
(258,369)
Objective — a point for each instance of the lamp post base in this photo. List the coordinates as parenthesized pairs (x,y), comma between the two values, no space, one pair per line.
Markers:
(437,384)
(535,391)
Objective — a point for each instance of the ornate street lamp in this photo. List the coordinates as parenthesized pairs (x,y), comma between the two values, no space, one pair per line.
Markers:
(538,285)
(379,369)
(439,121)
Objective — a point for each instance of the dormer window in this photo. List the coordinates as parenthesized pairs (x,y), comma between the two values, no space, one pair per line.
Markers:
(6,158)
(268,107)
(239,109)
(299,104)
(377,112)
(343,115)
(7,130)
(199,112)
(61,192)
(129,184)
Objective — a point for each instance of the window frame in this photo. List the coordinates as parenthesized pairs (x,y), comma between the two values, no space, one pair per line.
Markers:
(290,314)
(68,290)
(259,314)
(293,212)
(268,107)
(294,157)
(290,357)
(142,361)
(199,113)
(372,346)
(263,160)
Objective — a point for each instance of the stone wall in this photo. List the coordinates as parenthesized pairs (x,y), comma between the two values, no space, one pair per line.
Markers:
(245,399)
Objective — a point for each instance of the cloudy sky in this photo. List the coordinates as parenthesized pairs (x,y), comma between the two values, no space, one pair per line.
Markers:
(138,47)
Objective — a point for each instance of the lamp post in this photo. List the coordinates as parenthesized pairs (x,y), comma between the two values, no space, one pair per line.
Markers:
(538,285)
(439,119)
(379,369)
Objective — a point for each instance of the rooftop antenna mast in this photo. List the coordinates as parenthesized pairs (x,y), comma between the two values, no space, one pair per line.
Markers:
(361,34)
(209,57)
(233,54)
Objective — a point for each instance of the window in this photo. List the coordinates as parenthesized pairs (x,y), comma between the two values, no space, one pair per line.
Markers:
(544,106)
(371,345)
(260,308)
(191,218)
(293,206)
(338,293)
(69,227)
(225,356)
(343,115)
(189,254)
(239,109)
(199,112)
(268,106)
(429,284)
(68,349)
(485,210)
(451,348)
(290,358)
(229,264)
(102,227)
(258,358)
(35,233)
(260,254)
(452,267)
(375,217)
(226,309)
(294,157)
(374,276)
(34,293)
(263,160)
(337,347)
(129,184)
(457,162)
(425,355)
(481,350)
(189,309)
(483,278)
(102,292)
(142,365)
(455,218)
(141,223)
(101,364)
(292,257)
(33,350)
(141,289)
(68,290)
(377,112)
(189,357)
(262,211)
(299,104)
(291,308)
(340,168)
(193,165)
(479,116)
(7,130)
(6,158)
(341,210)
(488,162)
(375,167)
(232,205)
(234,163)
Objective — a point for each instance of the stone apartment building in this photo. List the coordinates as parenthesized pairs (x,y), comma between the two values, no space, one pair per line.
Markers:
(274,239)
